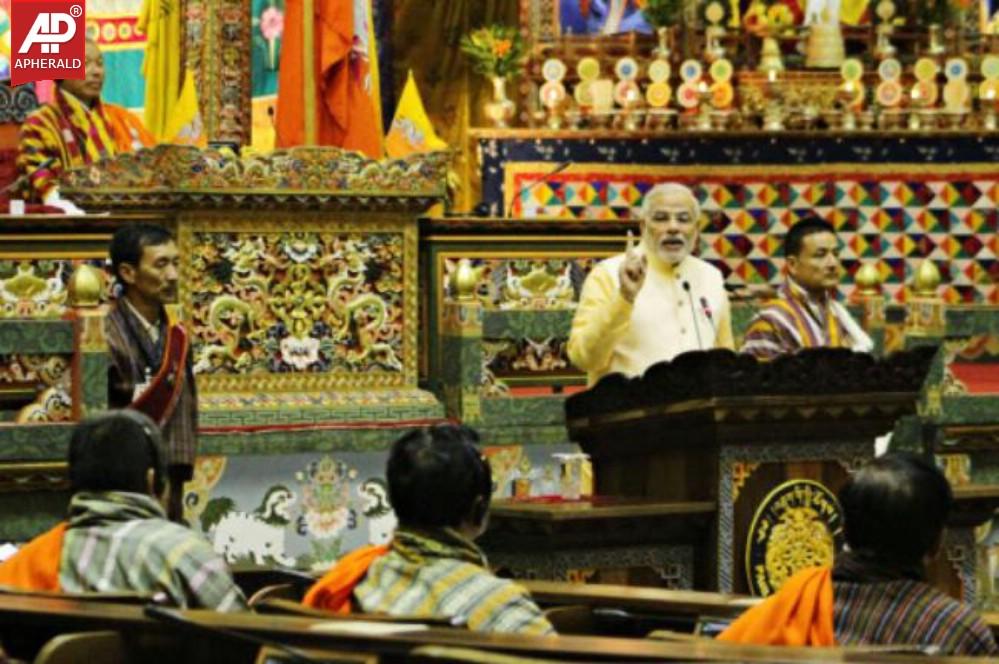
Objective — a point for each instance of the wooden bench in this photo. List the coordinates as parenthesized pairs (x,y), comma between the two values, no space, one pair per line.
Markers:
(205,636)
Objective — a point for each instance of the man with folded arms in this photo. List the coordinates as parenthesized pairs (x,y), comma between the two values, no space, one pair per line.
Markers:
(895,510)
(655,300)
(117,537)
(439,486)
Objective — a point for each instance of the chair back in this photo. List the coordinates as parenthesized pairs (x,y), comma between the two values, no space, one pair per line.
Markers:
(73,648)
(284,591)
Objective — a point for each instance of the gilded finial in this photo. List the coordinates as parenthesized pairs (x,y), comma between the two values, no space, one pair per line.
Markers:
(868,279)
(927,279)
(85,286)
(466,278)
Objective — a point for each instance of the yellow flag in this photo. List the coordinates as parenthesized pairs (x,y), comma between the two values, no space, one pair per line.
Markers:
(411,130)
(374,84)
(851,12)
(184,123)
(171,108)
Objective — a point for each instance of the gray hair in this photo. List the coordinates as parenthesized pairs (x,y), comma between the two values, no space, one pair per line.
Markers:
(661,191)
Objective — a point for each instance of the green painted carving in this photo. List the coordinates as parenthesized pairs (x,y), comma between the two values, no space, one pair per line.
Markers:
(461,364)
(28,514)
(531,324)
(523,435)
(384,411)
(42,442)
(39,337)
(979,409)
(972,321)
(299,441)
(510,411)
(94,375)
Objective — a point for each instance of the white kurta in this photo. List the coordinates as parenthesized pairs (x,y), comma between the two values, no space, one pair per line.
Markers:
(611,335)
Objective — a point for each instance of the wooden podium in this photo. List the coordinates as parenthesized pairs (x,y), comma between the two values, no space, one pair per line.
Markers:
(716,426)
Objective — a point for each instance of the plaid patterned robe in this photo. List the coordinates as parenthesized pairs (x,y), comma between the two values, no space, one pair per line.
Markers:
(118,541)
(443,575)
(132,353)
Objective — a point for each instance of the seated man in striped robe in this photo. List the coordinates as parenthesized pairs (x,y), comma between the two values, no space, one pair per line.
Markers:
(116,537)
(895,510)
(75,129)
(805,313)
(439,486)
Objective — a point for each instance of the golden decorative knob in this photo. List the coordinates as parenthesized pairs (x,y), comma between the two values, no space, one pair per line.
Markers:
(85,286)
(868,279)
(927,279)
(466,278)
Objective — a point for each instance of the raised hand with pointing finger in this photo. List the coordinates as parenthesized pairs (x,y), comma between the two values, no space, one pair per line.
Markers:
(632,271)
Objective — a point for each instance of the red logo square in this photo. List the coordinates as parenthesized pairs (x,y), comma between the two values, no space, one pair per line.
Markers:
(48,40)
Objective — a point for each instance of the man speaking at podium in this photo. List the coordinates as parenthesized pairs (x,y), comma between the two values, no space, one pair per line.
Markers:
(655,300)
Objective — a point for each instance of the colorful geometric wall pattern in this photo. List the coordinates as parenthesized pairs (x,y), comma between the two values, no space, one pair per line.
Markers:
(892,215)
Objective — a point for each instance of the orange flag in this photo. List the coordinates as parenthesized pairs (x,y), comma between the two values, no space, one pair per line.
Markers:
(336,84)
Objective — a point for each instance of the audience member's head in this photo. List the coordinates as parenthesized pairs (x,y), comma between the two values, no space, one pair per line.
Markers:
(895,509)
(438,478)
(812,253)
(87,89)
(145,261)
(121,450)
(669,222)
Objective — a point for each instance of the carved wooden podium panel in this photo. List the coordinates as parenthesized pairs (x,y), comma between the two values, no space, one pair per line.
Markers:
(722,427)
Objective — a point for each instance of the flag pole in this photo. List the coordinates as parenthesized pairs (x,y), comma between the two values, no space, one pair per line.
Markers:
(309,69)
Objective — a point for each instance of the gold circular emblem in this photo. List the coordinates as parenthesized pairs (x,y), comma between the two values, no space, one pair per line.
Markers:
(798,525)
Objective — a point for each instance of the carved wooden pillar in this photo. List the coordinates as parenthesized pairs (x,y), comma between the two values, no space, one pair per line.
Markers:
(217,41)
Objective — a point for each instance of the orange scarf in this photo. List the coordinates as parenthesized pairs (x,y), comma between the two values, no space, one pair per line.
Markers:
(800,614)
(36,565)
(123,125)
(333,592)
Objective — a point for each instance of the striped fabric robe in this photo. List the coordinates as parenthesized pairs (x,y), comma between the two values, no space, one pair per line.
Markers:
(908,612)
(795,320)
(74,135)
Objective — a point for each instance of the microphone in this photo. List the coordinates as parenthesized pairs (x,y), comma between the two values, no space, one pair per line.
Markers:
(706,308)
(693,313)
(174,617)
(520,191)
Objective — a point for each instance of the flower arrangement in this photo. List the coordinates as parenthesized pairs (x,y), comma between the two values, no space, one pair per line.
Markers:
(768,19)
(661,13)
(495,50)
